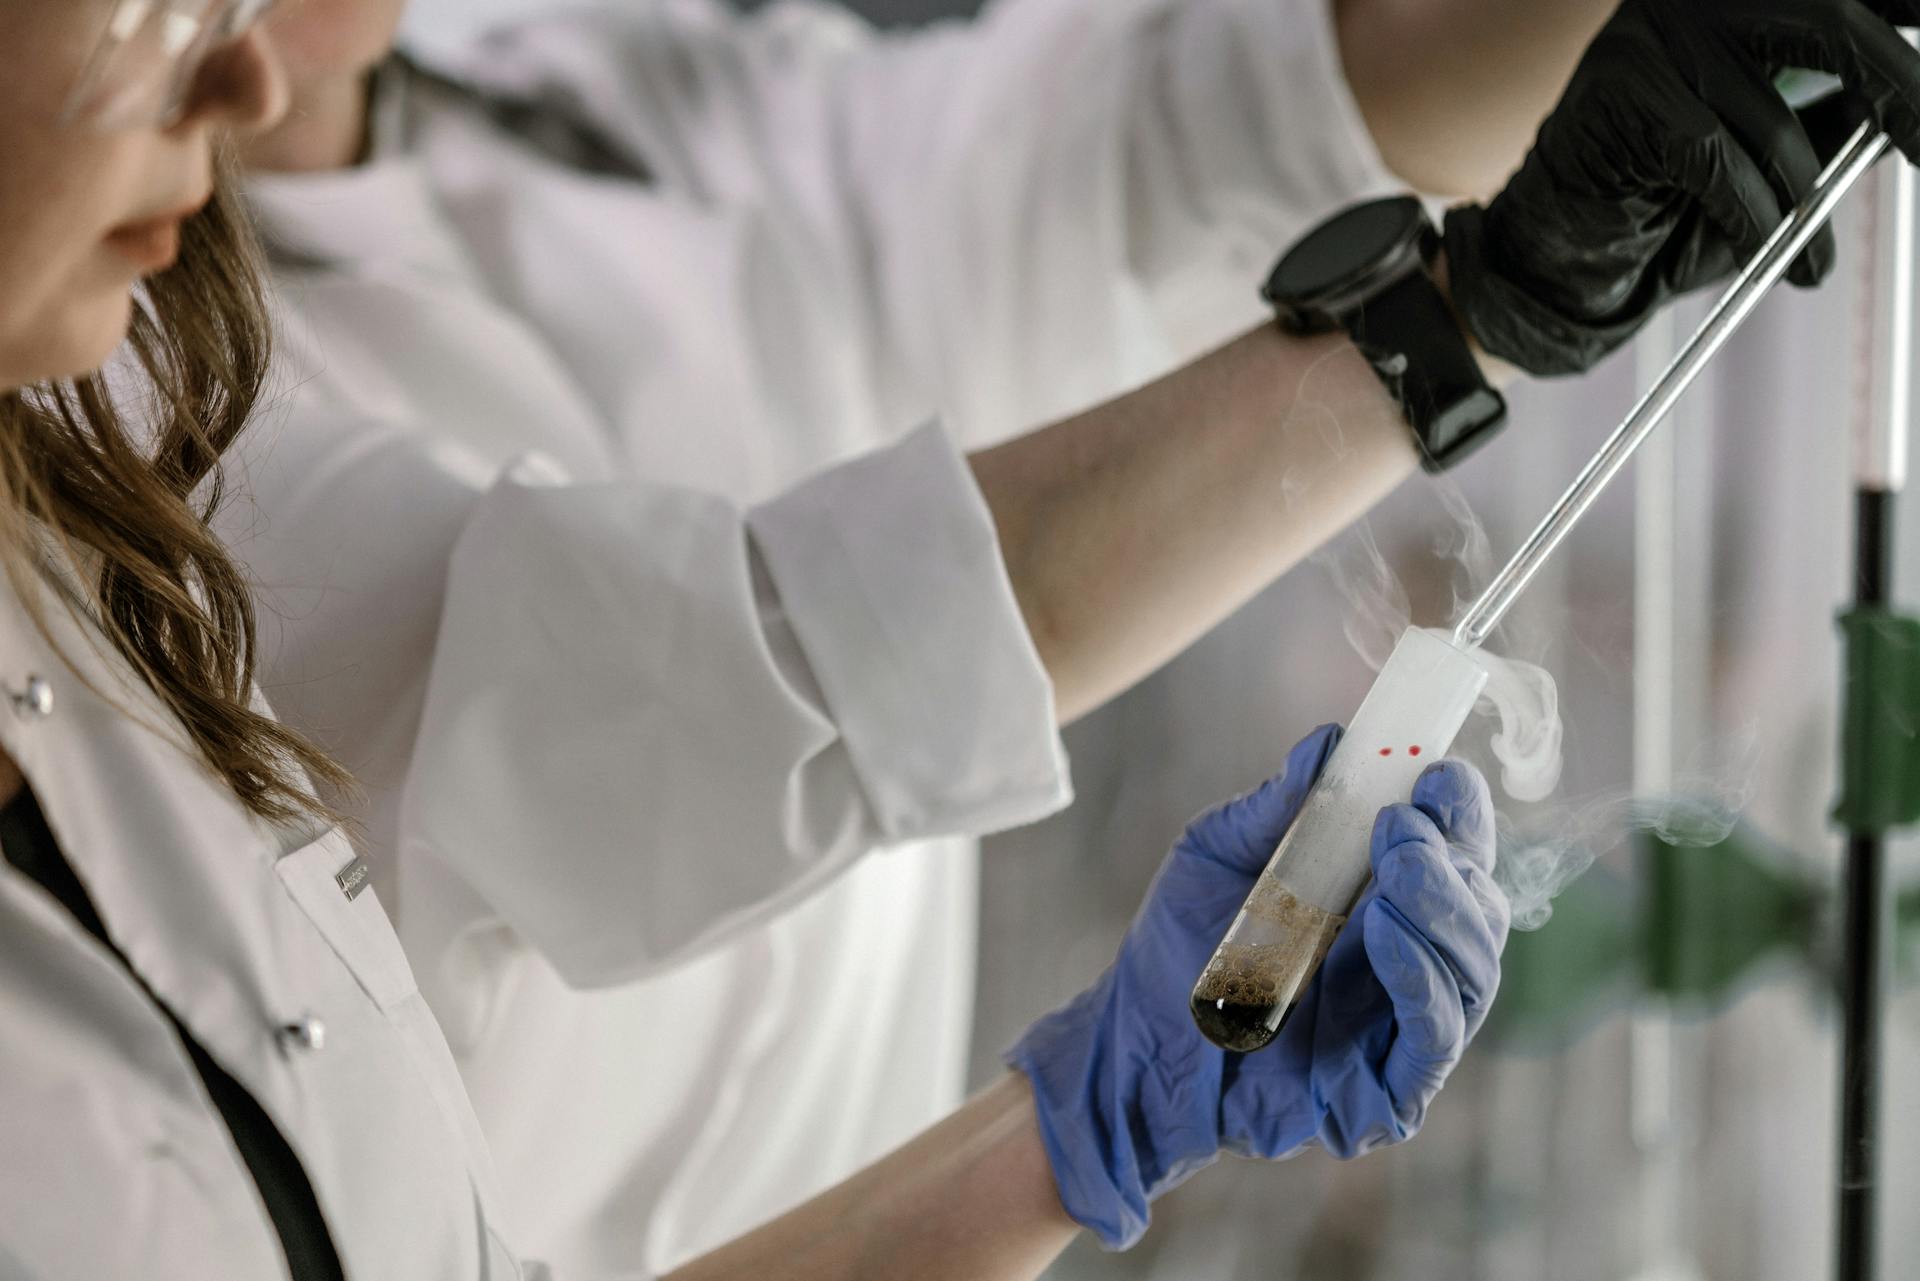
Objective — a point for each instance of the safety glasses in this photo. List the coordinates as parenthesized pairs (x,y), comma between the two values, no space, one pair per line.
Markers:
(149,54)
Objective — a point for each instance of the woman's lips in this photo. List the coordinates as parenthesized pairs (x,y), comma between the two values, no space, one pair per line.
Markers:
(154,244)
(151,246)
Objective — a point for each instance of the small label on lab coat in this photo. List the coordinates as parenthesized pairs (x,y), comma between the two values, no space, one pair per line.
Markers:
(352,878)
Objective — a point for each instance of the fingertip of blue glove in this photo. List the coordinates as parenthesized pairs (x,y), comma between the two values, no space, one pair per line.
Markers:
(1278,800)
(1241,834)
(1400,826)
(1262,816)
(1450,783)
(1456,797)
(1304,763)
(1309,755)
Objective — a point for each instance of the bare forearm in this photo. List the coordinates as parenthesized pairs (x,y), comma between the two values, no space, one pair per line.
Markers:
(1133,529)
(1454,90)
(971,1199)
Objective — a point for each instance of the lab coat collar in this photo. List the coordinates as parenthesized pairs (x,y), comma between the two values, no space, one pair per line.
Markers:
(378,218)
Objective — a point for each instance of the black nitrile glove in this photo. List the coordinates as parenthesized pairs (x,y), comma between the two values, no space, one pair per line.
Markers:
(1668,162)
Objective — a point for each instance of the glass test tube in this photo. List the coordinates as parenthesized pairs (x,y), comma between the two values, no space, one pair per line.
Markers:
(1408,720)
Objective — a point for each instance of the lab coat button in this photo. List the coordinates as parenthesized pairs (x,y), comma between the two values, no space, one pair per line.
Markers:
(35,702)
(305,1033)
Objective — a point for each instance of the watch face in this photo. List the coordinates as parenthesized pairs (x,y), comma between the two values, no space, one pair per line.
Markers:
(1349,249)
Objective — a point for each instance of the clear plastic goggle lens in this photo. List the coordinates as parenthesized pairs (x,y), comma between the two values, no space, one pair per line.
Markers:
(149,54)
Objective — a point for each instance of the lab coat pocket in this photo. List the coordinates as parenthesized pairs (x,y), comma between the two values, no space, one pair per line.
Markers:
(327,880)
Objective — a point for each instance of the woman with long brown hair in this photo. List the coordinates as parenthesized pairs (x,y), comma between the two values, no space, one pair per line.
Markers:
(152,1088)
(214,1060)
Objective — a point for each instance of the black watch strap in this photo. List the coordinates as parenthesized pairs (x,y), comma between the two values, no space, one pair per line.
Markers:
(1412,339)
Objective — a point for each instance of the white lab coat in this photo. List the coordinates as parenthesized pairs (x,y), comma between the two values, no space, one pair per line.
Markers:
(113,1161)
(599,538)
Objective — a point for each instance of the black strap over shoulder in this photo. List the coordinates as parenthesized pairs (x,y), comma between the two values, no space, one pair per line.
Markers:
(551,122)
(28,843)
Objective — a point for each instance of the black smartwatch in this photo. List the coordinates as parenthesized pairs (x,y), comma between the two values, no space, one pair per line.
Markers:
(1367,270)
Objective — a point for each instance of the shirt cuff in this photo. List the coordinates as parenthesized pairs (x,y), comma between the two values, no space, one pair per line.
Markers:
(890,573)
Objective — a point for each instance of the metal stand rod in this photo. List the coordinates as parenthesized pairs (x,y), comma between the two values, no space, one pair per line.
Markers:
(1760,275)
(1882,419)
(1866,939)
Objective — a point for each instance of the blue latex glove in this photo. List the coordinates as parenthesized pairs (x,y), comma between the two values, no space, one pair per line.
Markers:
(1132,1099)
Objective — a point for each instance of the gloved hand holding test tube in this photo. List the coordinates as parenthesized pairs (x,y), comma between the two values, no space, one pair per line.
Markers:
(1430,683)
(1406,723)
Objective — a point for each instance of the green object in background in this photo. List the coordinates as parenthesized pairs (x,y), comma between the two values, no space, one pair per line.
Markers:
(1880,735)
(1707,918)
(1906,932)
(1710,918)
(1714,912)
(1556,979)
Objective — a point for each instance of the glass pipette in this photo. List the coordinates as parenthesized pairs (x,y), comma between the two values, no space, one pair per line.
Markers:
(1760,275)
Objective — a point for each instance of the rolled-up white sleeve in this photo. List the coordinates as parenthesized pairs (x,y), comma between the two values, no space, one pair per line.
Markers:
(889,574)
(653,717)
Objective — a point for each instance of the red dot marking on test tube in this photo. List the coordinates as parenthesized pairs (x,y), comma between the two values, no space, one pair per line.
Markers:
(1414,750)
(1386,751)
